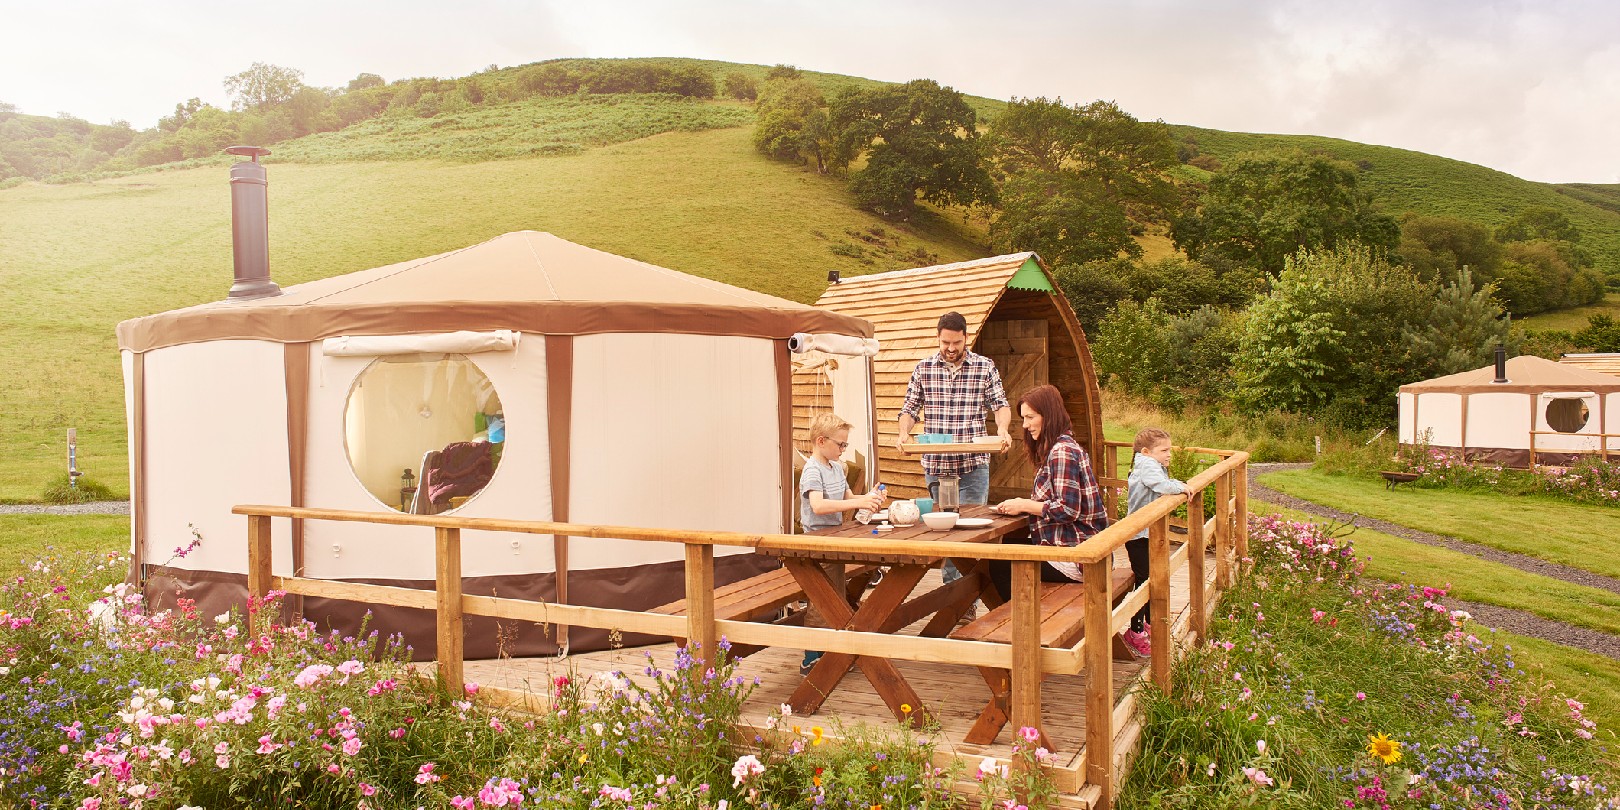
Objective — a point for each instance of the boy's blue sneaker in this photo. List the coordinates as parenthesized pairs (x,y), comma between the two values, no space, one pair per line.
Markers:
(810,659)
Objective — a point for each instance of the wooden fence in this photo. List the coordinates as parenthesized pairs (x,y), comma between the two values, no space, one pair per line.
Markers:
(1024,657)
(1602,449)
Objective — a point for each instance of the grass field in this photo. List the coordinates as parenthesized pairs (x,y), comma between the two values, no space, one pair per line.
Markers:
(1558,531)
(77,259)
(1575,319)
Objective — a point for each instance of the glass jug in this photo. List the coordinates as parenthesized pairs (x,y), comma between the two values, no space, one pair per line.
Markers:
(950,499)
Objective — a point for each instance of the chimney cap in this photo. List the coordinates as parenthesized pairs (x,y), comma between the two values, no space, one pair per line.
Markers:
(254,152)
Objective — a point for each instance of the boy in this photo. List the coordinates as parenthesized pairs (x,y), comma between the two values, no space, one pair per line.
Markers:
(824,494)
(1149,479)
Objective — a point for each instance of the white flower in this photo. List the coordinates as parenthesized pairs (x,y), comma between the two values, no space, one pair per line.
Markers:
(137,790)
(223,618)
(787,711)
(1260,746)
(746,765)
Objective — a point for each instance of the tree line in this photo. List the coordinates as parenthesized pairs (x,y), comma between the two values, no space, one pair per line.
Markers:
(1293,290)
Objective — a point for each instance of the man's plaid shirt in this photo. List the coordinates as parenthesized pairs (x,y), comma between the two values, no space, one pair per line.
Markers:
(954,403)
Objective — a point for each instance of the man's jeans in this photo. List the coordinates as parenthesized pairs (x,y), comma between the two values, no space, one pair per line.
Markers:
(973,487)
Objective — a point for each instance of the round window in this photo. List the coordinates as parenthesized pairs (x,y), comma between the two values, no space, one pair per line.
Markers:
(424,432)
(1567,415)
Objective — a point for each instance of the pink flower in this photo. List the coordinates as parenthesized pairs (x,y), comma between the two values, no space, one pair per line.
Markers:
(1361,696)
(470,687)
(500,794)
(425,774)
(351,746)
(396,733)
(223,761)
(462,803)
(312,675)
(746,766)
(367,790)
(1258,777)
(1030,734)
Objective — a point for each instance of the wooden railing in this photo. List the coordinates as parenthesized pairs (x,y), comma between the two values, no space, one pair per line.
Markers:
(1025,658)
(1601,450)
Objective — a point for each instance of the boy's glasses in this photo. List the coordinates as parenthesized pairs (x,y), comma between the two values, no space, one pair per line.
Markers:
(841,445)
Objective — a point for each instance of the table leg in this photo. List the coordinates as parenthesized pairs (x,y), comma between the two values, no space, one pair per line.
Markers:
(872,615)
(944,621)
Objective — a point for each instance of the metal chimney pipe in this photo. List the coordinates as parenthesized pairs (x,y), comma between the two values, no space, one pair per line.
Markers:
(250,225)
(1501,364)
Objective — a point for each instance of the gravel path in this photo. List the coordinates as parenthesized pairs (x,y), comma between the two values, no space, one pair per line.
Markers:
(1515,621)
(90,508)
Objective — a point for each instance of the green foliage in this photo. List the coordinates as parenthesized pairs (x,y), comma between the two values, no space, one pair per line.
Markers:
(606,76)
(740,86)
(1540,275)
(1461,331)
(1602,334)
(1537,222)
(364,81)
(539,126)
(1262,207)
(1131,347)
(1073,179)
(792,122)
(38,147)
(1167,358)
(1437,247)
(60,489)
(263,85)
(918,139)
(1323,336)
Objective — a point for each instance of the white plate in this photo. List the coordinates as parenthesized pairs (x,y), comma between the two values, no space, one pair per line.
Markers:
(973,523)
(878,517)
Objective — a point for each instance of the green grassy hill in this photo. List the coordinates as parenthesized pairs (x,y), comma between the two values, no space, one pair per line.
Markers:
(661,178)
(1404,180)
(76,259)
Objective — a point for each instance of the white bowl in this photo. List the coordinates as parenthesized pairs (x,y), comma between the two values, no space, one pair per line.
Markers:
(940,520)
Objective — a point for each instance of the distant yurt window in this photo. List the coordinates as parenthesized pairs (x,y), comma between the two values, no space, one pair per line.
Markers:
(424,432)
(1567,415)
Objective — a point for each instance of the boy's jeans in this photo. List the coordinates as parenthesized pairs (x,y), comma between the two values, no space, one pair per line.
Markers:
(973,487)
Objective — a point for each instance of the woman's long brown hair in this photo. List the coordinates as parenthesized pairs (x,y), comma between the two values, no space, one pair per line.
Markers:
(1047,401)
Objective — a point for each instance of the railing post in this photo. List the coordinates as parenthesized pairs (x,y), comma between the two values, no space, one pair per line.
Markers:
(1026,644)
(1159,600)
(1223,530)
(448,568)
(259,571)
(1196,543)
(1099,680)
(1240,517)
(1111,470)
(700,603)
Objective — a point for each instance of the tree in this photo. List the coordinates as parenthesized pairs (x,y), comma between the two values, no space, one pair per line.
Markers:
(918,139)
(1437,247)
(1539,275)
(740,86)
(1263,207)
(783,72)
(791,122)
(1535,222)
(1323,339)
(365,80)
(263,86)
(183,113)
(1132,346)
(1601,334)
(1070,177)
(1461,331)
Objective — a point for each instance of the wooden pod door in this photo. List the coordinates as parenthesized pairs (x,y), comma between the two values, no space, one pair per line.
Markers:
(1019,349)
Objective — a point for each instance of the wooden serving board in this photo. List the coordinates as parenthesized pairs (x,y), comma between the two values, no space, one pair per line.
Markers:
(918,448)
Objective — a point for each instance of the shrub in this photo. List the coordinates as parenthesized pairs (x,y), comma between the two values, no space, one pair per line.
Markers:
(60,489)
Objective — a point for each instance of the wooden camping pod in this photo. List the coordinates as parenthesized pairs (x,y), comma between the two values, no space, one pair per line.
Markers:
(1016,316)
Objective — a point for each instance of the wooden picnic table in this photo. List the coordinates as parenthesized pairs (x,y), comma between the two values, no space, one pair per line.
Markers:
(889,606)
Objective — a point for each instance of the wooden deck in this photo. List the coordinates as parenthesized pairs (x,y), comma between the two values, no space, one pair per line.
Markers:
(954,694)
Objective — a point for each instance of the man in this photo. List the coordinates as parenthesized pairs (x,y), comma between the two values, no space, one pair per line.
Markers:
(950,391)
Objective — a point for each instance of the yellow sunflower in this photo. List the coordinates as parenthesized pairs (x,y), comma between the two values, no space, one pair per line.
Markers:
(1384,748)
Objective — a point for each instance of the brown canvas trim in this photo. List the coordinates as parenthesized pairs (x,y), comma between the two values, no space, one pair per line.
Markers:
(784,432)
(1463,438)
(559,427)
(137,472)
(295,360)
(1516,457)
(634,588)
(1417,389)
(312,322)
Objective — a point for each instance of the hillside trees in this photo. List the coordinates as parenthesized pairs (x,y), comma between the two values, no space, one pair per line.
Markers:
(263,85)
(1262,207)
(919,139)
(791,122)
(1072,179)
(1437,247)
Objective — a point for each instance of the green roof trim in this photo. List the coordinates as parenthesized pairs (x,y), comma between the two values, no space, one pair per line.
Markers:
(1030,277)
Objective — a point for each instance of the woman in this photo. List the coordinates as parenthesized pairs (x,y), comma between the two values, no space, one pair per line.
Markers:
(1067,504)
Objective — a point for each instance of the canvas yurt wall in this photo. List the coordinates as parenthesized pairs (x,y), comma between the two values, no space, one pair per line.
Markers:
(590,388)
(1568,413)
(1015,315)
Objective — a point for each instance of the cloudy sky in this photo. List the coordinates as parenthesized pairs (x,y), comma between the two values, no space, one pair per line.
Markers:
(1531,88)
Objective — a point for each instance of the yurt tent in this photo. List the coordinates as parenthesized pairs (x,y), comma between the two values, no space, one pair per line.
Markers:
(1491,416)
(1015,315)
(523,378)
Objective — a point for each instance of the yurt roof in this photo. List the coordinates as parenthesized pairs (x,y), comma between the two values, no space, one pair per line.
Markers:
(526,281)
(1525,373)
(904,305)
(1605,363)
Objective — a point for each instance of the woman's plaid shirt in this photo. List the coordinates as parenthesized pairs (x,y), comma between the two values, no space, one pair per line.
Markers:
(954,403)
(1071,500)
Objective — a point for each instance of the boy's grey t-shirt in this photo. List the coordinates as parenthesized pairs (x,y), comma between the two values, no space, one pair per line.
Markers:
(1148,480)
(832,482)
